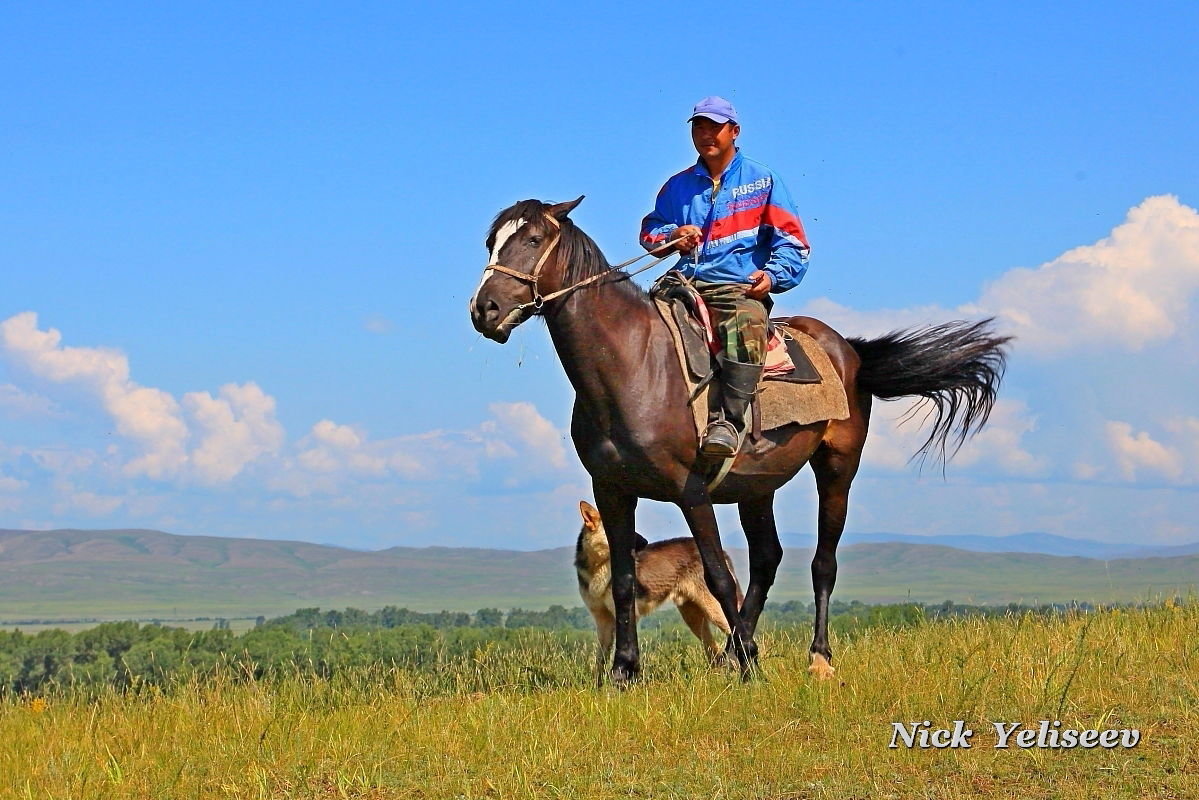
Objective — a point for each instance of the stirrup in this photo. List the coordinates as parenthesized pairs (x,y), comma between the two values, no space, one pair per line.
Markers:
(721,439)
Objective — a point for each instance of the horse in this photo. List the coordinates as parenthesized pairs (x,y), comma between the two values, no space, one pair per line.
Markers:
(634,431)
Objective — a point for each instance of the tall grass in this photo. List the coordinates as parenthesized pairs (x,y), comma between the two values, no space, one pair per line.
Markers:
(526,721)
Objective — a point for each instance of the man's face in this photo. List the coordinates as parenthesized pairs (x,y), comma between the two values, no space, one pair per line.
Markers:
(713,139)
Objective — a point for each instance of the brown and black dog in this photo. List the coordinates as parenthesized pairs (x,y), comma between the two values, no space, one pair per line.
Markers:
(668,570)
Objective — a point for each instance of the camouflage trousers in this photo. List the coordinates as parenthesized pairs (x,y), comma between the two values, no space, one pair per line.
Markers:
(740,321)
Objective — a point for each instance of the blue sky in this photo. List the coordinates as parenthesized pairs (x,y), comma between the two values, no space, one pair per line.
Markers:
(236,244)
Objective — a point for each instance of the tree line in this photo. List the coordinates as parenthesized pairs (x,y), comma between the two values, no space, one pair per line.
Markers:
(556,617)
(312,642)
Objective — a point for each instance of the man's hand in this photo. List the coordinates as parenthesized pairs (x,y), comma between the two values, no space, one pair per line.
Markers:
(760,284)
(686,238)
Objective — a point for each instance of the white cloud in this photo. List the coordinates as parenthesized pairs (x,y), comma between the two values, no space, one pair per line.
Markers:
(1173,455)
(59,461)
(538,434)
(1129,289)
(341,437)
(212,438)
(231,430)
(72,499)
(18,403)
(333,448)
(1141,452)
(1134,288)
(147,416)
(236,428)
(1125,291)
(333,454)
(1000,443)
(898,429)
(12,484)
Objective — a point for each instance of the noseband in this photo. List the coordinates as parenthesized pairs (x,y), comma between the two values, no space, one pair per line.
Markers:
(538,302)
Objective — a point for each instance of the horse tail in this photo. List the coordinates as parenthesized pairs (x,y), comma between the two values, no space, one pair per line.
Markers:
(956,366)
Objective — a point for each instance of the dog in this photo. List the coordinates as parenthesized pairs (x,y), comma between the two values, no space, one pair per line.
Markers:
(667,570)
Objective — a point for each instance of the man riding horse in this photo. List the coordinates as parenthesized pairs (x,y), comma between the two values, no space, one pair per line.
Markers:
(631,424)
(741,237)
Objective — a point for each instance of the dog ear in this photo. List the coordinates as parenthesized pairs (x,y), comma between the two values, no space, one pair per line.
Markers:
(591,517)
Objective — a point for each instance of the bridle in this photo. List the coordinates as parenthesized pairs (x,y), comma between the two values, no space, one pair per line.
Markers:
(539,300)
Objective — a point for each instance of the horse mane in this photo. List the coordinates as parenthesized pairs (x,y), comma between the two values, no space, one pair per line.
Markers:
(578,251)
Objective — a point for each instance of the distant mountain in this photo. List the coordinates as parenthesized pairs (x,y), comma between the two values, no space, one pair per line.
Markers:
(143,574)
(125,573)
(1044,543)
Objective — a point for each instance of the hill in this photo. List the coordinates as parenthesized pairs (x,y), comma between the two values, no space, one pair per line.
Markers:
(144,574)
(1045,543)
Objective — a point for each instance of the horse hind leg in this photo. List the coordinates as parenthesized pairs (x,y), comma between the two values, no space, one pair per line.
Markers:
(835,463)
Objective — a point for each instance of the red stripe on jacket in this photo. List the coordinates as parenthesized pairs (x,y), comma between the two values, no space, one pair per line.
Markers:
(778,218)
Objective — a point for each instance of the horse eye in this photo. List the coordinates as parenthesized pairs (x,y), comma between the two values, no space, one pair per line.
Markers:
(535,241)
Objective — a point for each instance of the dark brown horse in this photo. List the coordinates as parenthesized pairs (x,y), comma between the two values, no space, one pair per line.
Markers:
(634,431)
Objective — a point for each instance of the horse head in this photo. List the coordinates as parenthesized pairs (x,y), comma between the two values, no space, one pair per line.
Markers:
(521,268)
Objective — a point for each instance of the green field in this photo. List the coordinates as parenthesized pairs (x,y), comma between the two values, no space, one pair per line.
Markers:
(526,722)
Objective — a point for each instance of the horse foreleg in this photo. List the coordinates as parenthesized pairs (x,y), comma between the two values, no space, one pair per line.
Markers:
(765,554)
(701,519)
(834,471)
(618,510)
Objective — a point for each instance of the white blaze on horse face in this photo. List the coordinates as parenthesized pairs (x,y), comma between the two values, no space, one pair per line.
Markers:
(501,236)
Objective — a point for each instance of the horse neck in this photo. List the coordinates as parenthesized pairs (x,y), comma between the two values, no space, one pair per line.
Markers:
(602,336)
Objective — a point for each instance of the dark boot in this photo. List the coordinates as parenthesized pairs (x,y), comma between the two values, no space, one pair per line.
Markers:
(738,383)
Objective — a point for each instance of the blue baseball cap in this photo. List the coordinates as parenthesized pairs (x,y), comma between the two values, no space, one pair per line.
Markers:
(716,109)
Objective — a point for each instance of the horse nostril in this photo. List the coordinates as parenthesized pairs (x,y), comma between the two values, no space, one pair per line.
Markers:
(491,311)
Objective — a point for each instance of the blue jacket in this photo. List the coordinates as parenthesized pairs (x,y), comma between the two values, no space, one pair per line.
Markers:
(750,224)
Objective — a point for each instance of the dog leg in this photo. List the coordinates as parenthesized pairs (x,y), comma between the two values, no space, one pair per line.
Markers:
(605,628)
(697,620)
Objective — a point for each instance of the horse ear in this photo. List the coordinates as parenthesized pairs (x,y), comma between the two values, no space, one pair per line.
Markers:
(561,211)
(591,517)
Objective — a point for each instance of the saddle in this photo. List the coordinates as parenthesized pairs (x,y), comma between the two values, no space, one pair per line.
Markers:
(785,356)
(799,383)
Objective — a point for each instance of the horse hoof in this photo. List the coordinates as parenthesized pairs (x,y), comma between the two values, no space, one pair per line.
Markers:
(622,677)
(820,669)
(742,652)
(719,660)
(752,672)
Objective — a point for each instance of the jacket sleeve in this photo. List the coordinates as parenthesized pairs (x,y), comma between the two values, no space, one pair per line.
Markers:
(659,223)
(788,260)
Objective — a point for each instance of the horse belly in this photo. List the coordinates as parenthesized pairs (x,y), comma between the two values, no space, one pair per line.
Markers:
(771,463)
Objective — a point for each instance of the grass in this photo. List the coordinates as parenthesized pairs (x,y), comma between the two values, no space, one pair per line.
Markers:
(527,722)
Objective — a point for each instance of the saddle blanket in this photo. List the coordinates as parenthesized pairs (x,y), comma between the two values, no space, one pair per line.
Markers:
(780,403)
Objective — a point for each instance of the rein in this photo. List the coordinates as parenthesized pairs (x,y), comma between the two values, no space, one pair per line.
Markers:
(538,302)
